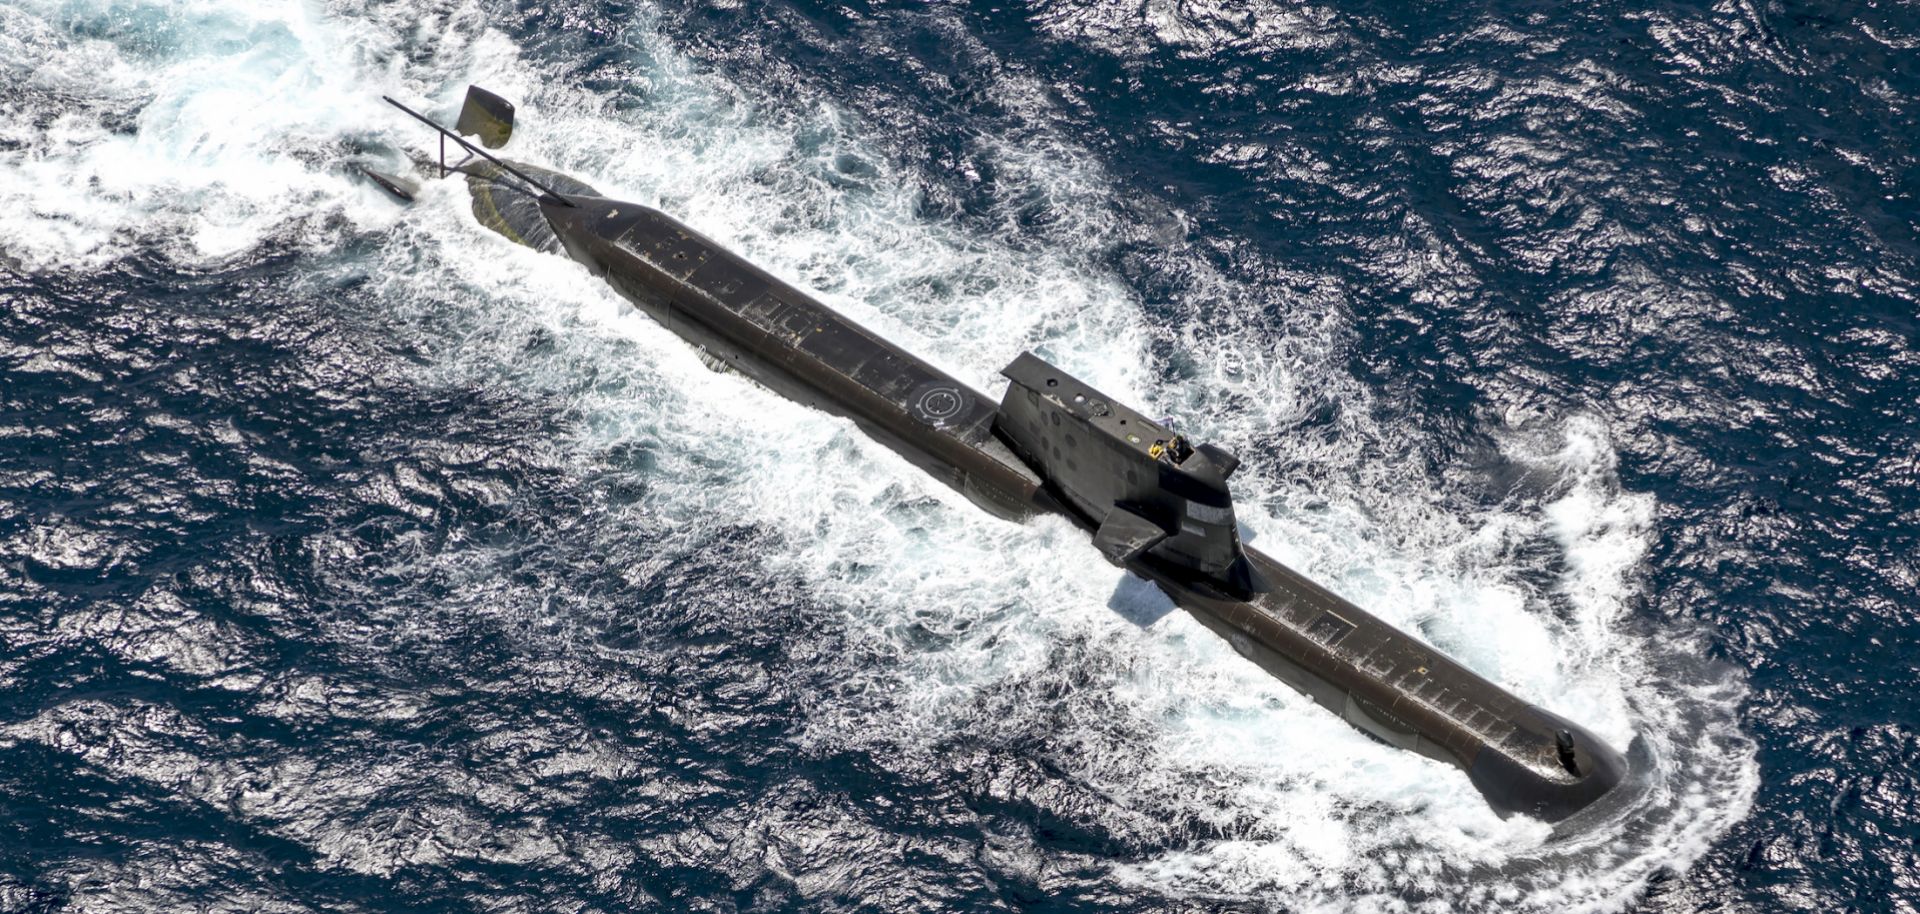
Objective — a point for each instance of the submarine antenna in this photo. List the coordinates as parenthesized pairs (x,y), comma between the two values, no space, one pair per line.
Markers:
(446,134)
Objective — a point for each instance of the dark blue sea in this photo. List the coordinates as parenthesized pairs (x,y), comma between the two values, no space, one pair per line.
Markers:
(353,559)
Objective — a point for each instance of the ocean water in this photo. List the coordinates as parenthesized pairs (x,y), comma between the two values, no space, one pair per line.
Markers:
(354,559)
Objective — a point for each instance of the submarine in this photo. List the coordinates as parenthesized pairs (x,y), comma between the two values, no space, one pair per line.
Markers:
(1152,502)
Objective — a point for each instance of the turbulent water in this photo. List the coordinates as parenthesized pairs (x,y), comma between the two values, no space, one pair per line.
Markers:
(354,559)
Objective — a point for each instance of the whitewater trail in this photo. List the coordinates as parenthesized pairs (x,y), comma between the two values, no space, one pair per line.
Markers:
(208,129)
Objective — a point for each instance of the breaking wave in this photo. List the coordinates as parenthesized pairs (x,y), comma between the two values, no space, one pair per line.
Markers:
(1006,659)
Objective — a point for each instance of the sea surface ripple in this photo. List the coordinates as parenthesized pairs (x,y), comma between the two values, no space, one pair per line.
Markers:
(352,559)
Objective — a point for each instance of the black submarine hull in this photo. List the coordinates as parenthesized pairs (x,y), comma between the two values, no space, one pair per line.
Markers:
(749,321)
(1403,692)
(1523,759)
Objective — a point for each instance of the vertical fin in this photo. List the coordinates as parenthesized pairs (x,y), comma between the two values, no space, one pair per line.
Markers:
(487,116)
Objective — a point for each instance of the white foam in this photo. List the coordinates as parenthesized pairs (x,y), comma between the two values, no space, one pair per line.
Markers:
(1190,747)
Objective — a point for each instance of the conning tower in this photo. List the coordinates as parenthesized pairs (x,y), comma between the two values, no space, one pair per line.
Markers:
(1158,505)
(1148,492)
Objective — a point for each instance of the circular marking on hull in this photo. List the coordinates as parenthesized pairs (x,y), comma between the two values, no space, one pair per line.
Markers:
(937,403)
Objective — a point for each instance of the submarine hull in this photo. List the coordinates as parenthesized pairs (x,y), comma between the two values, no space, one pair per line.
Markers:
(749,321)
(1401,691)
(1522,758)
(1163,511)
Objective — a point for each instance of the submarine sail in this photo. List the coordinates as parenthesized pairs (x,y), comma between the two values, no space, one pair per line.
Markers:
(1151,502)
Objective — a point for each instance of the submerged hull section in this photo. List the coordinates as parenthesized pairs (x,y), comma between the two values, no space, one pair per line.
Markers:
(1169,522)
(511,210)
